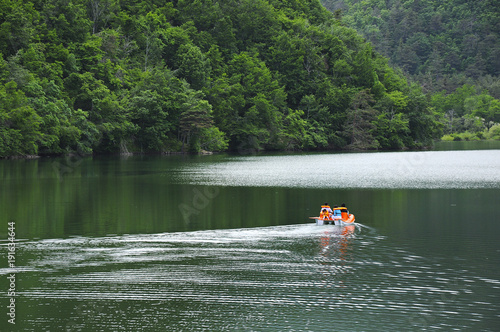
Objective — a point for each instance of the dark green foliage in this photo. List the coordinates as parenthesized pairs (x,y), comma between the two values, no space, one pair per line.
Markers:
(114,76)
(440,38)
(19,124)
(359,127)
(451,48)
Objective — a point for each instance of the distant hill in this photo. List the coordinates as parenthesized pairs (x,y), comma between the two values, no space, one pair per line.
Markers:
(443,44)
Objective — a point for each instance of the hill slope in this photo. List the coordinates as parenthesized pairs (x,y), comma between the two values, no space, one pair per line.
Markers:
(116,76)
(441,44)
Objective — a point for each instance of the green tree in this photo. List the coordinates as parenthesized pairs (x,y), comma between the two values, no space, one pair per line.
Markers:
(392,125)
(423,120)
(193,65)
(18,20)
(19,124)
(155,105)
(151,28)
(64,22)
(104,110)
(212,139)
(483,106)
(194,118)
(359,125)
(248,103)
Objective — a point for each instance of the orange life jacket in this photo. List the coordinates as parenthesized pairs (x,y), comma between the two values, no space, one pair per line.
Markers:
(343,213)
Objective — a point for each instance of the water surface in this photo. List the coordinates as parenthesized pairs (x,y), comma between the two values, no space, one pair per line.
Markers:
(224,243)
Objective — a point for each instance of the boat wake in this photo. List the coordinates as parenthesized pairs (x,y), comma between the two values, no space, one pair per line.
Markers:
(228,277)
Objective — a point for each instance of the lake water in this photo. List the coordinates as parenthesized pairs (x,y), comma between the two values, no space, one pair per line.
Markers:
(224,243)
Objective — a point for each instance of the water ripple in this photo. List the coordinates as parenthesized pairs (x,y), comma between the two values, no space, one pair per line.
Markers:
(429,170)
(268,278)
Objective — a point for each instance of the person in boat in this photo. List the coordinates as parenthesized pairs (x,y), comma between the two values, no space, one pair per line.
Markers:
(327,207)
(324,214)
(344,212)
(343,205)
(328,210)
(336,213)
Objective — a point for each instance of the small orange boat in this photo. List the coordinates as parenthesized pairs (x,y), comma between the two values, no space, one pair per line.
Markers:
(345,218)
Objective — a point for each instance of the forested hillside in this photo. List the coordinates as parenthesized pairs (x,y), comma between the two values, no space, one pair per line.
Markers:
(450,47)
(443,44)
(107,76)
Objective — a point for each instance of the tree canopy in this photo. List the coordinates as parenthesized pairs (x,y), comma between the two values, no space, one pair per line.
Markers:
(450,48)
(109,76)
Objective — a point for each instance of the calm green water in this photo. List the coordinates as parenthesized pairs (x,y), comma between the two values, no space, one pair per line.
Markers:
(224,243)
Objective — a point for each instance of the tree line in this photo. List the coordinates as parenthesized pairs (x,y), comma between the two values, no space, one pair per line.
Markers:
(107,76)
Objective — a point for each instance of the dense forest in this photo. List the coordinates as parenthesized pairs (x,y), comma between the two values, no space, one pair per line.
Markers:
(108,76)
(449,47)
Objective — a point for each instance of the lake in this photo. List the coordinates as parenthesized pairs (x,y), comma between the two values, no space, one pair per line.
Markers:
(224,243)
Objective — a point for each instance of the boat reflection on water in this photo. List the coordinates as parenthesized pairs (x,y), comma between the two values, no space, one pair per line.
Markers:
(334,245)
(336,239)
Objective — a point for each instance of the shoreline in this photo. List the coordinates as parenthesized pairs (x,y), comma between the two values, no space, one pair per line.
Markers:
(207,153)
